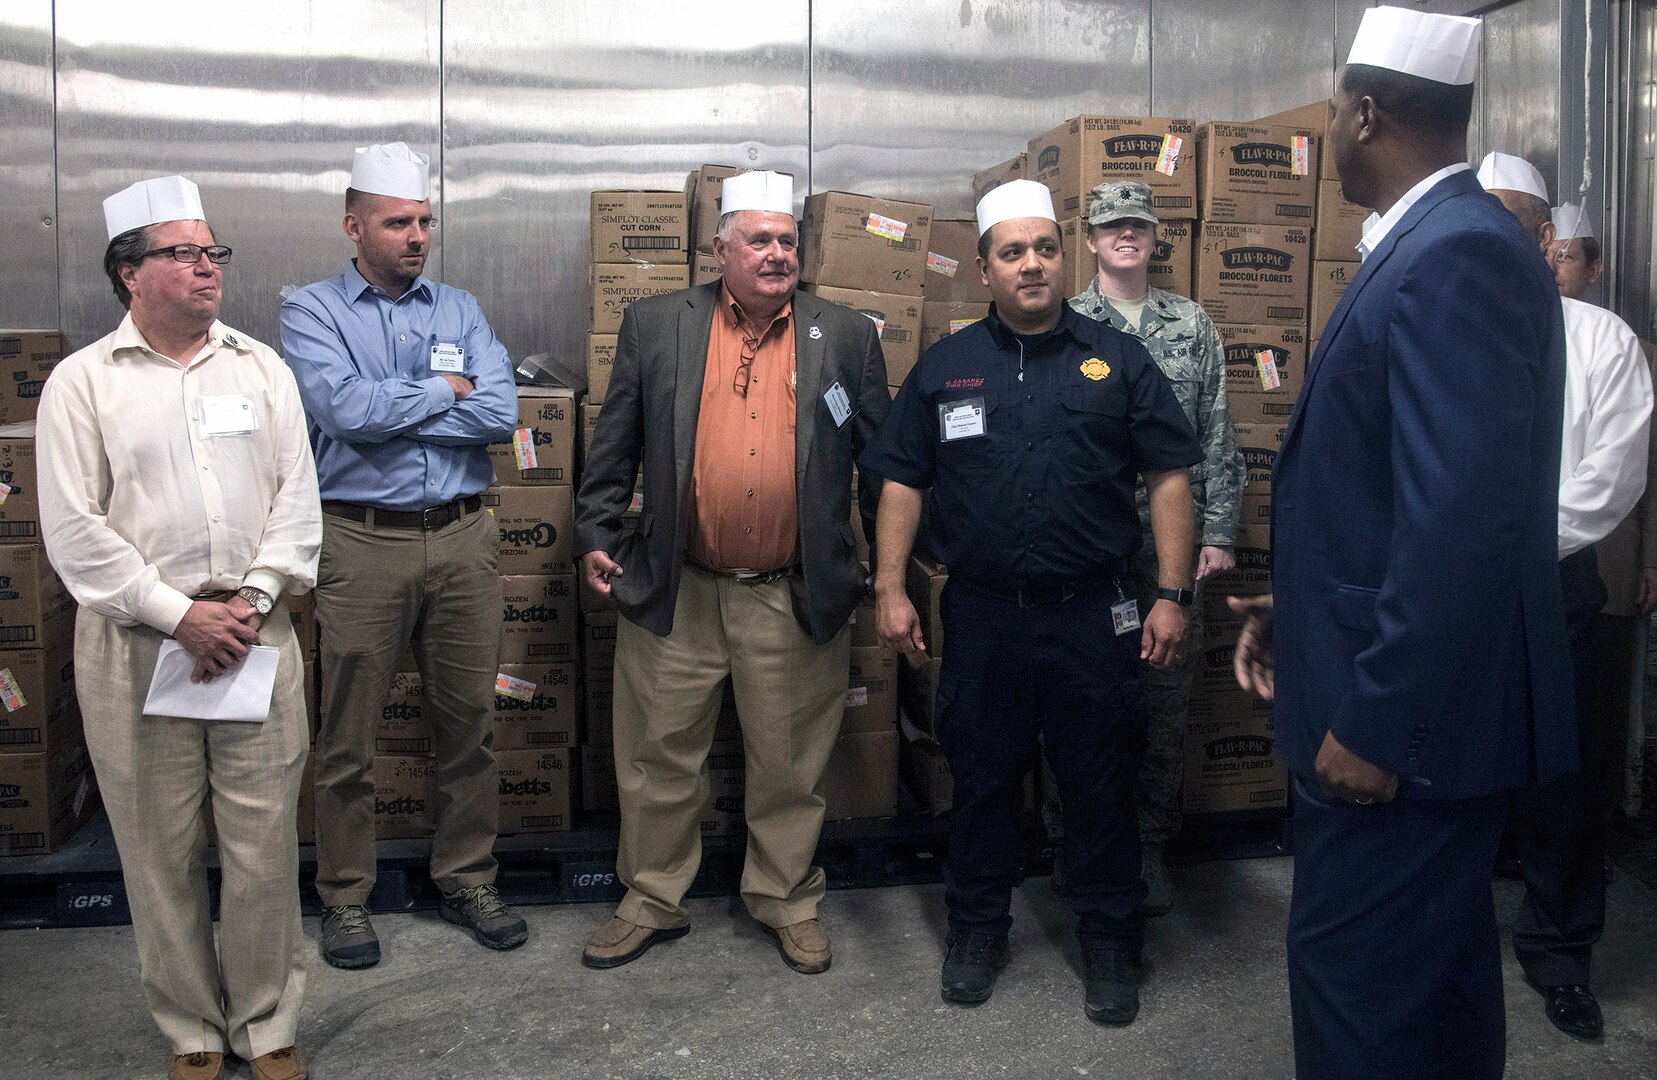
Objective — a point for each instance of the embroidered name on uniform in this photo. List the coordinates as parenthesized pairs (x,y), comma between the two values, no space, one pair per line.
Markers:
(963,384)
(1095,368)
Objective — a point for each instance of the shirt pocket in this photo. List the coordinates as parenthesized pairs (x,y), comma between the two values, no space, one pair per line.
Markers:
(977,454)
(1093,427)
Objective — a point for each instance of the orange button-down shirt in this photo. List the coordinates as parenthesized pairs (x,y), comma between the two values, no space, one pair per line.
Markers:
(743,514)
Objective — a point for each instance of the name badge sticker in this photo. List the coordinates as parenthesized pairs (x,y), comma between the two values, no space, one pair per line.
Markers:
(960,419)
(449,358)
(228,414)
(839,403)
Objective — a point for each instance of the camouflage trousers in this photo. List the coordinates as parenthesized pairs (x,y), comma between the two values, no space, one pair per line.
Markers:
(1158,791)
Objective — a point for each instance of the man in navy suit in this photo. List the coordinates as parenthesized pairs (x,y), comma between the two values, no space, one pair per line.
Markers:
(1421,666)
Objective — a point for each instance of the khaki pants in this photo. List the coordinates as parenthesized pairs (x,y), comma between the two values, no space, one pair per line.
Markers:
(377,589)
(790,696)
(156,773)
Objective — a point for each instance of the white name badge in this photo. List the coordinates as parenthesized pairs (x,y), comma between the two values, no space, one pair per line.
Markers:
(960,419)
(450,358)
(839,403)
(228,414)
(1125,616)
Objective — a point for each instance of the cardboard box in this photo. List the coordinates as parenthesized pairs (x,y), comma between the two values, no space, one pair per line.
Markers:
(925,586)
(45,798)
(405,796)
(26,358)
(939,319)
(598,778)
(598,646)
(703,188)
(722,813)
(536,527)
(589,425)
(1174,257)
(1259,444)
(1254,273)
(20,507)
(616,285)
(1253,574)
(650,227)
(952,263)
(36,611)
(861,242)
(897,319)
(1267,175)
(537,706)
(601,360)
(872,694)
(925,769)
(864,618)
(1340,225)
(1247,395)
(534,790)
(1080,265)
(1329,282)
(1086,151)
(403,727)
(538,621)
(1315,116)
(37,695)
(704,268)
(546,428)
(1231,763)
(1014,168)
(918,691)
(598,714)
(861,780)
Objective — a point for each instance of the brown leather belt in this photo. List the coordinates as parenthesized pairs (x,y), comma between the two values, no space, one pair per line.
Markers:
(751,577)
(221,597)
(427,520)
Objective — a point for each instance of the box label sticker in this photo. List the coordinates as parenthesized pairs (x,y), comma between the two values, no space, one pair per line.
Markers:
(957,325)
(1303,155)
(880,324)
(523,448)
(10,695)
(890,228)
(1267,362)
(857,697)
(942,264)
(1168,159)
(516,689)
(5,489)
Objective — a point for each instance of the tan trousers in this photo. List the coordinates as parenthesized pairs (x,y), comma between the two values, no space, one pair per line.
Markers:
(378,588)
(156,773)
(790,696)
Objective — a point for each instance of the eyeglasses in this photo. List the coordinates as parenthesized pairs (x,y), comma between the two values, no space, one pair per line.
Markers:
(745,370)
(190,254)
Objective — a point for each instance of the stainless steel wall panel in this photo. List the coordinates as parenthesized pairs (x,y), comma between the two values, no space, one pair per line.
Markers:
(911,100)
(1519,86)
(1238,59)
(259,104)
(28,210)
(544,103)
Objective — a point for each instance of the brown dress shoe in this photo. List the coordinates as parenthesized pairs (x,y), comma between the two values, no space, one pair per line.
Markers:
(202,1065)
(803,945)
(618,941)
(283,1064)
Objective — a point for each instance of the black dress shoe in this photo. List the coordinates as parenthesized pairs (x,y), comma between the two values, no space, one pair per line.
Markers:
(1574,1010)
(971,966)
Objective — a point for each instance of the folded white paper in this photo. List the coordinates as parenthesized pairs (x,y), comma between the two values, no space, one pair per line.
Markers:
(242,693)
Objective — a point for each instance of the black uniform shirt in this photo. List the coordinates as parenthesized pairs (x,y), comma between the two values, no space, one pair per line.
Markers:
(1033,479)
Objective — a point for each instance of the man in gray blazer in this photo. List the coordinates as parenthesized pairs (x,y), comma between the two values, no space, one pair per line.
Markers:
(747,403)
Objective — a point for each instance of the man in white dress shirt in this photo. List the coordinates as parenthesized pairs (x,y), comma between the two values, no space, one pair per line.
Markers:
(1602,473)
(178,501)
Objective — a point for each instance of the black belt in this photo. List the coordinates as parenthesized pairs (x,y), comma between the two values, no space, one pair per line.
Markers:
(434,518)
(1040,594)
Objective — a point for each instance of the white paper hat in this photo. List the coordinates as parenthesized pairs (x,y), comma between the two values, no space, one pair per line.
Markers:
(1570,222)
(772,192)
(1014,199)
(165,198)
(1441,48)
(1504,172)
(392,169)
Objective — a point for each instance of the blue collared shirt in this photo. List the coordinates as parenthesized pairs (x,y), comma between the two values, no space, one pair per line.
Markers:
(385,426)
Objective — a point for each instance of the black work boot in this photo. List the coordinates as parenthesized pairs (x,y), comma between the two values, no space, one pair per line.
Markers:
(1111,975)
(971,966)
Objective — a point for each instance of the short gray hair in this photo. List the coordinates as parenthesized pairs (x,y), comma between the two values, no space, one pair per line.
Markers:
(127,249)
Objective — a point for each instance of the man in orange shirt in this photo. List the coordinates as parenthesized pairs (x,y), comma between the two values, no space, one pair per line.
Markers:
(746,403)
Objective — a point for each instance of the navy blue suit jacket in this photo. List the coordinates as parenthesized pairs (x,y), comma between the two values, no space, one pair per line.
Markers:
(1415,513)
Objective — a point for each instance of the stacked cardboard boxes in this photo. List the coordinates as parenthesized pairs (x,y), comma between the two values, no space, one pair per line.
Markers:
(640,246)
(955,295)
(47,790)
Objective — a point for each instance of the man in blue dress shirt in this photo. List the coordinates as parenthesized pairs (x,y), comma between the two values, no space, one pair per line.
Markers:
(405,387)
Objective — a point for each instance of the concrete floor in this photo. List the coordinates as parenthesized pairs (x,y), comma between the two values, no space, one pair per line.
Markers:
(720,1004)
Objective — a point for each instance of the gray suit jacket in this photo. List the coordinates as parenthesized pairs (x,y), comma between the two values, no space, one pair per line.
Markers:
(650,414)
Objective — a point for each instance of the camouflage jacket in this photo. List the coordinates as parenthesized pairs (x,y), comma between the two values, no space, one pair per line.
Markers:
(1181,338)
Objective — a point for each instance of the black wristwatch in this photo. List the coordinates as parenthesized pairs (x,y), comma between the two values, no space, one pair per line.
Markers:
(259,599)
(1182,597)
